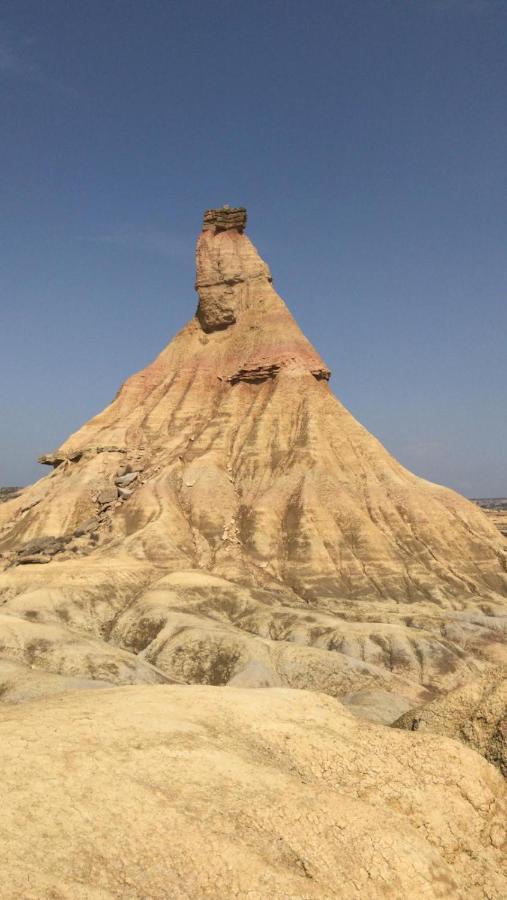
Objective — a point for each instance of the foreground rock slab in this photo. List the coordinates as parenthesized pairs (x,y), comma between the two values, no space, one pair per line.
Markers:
(168,792)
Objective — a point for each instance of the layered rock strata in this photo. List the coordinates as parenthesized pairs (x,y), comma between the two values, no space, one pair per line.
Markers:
(226,520)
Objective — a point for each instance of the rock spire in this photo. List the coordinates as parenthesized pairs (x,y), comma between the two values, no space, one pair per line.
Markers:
(225,519)
(228,218)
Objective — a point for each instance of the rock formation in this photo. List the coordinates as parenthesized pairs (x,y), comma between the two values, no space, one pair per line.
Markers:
(226,520)
(176,793)
(8,493)
(475,713)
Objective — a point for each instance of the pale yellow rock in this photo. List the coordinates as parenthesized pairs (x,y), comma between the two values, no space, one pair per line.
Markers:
(475,713)
(20,682)
(190,792)
(226,521)
(268,538)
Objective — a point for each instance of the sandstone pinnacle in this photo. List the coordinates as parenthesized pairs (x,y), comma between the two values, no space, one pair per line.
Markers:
(266,536)
(226,521)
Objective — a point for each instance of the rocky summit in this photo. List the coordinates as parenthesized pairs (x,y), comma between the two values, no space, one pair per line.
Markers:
(226,521)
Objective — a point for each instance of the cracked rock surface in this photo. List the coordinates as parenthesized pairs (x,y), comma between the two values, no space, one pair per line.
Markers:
(183,792)
(475,713)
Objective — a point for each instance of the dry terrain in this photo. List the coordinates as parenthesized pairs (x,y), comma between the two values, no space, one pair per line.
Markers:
(496,511)
(189,792)
(227,525)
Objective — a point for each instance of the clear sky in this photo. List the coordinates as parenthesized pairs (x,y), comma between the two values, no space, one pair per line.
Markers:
(368,139)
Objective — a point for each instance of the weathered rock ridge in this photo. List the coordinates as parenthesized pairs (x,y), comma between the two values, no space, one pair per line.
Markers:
(226,520)
(475,713)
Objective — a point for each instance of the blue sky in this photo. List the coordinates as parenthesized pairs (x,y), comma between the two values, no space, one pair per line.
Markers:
(368,139)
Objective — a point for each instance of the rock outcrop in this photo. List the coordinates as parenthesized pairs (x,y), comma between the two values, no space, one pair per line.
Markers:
(8,493)
(475,713)
(171,793)
(226,520)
